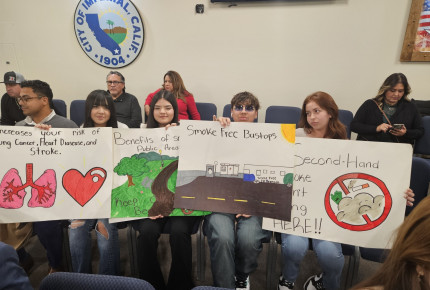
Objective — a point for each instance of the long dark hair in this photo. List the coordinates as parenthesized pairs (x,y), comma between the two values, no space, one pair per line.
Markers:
(179,90)
(390,83)
(335,129)
(410,249)
(99,98)
(168,96)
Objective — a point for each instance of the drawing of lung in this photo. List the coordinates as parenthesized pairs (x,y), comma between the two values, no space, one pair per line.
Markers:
(44,190)
(12,195)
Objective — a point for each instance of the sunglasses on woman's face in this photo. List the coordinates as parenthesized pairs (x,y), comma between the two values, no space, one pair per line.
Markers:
(248,108)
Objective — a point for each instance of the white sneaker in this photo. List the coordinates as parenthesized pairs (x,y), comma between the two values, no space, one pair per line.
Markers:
(284,284)
(314,283)
(243,284)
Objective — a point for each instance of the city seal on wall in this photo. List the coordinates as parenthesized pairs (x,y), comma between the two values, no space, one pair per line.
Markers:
(110,32)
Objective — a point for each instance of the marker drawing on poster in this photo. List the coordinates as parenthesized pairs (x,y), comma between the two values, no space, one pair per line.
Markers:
(347,191)
(145,170)
(54,174)
(243,168)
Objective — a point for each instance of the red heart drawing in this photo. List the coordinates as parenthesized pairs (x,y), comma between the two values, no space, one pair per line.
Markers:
(83,188)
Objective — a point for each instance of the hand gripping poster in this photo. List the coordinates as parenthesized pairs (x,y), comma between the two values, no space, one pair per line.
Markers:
(244,168)
(54,174)
(345,191)
(145,170)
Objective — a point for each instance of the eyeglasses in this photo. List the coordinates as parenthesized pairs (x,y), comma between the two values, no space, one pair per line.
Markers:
(110,83)
(248,108)
(26,99)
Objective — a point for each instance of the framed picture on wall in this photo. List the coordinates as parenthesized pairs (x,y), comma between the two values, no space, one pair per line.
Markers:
(416,44)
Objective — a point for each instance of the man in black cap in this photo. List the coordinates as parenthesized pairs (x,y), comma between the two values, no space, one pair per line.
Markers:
(10,109)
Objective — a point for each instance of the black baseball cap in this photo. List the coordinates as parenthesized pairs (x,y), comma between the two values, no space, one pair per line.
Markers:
(13,78)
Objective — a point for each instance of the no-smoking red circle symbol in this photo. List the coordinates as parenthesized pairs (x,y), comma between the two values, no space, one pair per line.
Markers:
(368,180)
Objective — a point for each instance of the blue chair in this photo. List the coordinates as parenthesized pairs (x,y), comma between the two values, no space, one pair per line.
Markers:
(206,110)
(77,111)
(420,178)
(73,281)
(226,112)
(422,145)
(346,117)
(61,107)
(283,115)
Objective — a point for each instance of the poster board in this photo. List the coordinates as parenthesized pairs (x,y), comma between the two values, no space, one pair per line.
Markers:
(55,174)
(243,168)
(145,171)
(345,191)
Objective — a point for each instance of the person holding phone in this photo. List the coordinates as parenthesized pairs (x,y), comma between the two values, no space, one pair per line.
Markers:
(390,116)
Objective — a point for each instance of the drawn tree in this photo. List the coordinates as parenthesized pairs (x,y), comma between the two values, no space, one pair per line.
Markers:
(132,167)
(288,179)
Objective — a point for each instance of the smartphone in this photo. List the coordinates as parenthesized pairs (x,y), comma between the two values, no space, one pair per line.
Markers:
(398,126)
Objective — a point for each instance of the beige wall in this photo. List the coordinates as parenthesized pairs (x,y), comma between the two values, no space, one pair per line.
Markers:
(279,51)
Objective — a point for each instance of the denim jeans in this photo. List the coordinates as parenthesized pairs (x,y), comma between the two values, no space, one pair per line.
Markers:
(80,246)
(329,256)
(234,248)
(180,275)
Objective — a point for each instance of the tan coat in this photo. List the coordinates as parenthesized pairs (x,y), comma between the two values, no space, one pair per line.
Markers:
(16,234)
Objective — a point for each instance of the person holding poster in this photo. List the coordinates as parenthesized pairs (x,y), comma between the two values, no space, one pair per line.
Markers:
(173,83)
(235,240)
(36,103)
(99,112)
(408,263)
(390,116)
(319,119)
(163,112)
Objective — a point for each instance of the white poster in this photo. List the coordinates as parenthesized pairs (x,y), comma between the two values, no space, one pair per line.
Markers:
(145,170)
(347,191)
(243,168)
(55,174)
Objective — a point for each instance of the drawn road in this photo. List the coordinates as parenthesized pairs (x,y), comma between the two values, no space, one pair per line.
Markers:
(233,195)
(163,196)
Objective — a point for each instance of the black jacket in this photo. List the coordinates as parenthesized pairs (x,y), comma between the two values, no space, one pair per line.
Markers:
(368,117)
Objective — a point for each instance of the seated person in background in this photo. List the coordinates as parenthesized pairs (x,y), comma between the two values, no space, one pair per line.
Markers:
(235,240)
(36,103)
(11,273)
(11,111)
(173,83)
(390,116)
(99,112)
(126,105)
(408,263)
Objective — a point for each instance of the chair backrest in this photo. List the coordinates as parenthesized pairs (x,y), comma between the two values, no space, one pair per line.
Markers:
(346,117)
(77,111)
(61,107)
(226,112)
(206,110)
(72,281)
(420,178)
(283,115)
(422,146)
